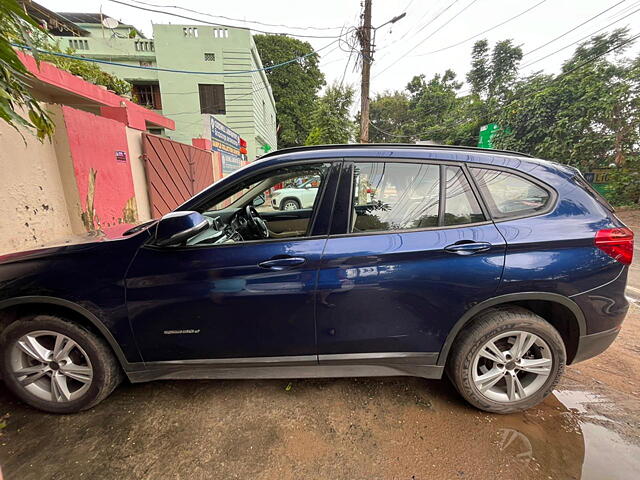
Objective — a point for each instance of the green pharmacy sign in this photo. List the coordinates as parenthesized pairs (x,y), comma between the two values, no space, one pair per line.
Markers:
(486,135)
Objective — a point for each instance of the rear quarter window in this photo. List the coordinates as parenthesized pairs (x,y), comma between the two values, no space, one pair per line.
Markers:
(509,195)
(581,181)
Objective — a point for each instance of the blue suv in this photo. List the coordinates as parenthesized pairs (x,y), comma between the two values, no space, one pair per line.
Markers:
(492,267)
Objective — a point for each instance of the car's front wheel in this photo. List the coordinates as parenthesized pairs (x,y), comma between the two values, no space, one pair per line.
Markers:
(56,365)
(507,360)
(290,204)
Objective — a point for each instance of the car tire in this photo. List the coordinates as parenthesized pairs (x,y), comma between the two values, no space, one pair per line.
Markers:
(84,375)
(289,204)
(509,330)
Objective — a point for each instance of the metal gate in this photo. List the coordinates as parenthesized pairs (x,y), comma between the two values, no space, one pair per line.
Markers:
(175,172)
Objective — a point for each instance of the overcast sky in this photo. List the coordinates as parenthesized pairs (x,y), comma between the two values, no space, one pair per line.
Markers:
(400,48)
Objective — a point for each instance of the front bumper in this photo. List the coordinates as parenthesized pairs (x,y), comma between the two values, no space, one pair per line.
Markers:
(594,344)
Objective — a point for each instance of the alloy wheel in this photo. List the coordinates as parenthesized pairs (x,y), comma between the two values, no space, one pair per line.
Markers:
(290,205)
(512,366)
(51,366)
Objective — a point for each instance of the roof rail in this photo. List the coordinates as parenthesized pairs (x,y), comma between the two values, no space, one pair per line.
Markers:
(394,145)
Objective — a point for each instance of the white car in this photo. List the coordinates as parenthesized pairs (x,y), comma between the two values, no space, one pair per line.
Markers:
(295,198)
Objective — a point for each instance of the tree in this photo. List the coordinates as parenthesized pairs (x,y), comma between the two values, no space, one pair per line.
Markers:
(295,86)
(330,121)
(15,96)
(388,112)
(586,116)
(492,73)
(431,104)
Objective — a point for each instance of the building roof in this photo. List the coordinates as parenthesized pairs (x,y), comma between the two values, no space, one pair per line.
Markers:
(55,23)
(83,17)
(95,19)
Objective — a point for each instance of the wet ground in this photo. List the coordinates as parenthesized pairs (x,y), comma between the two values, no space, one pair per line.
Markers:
(390,428)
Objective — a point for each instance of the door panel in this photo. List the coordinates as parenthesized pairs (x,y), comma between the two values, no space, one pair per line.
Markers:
(402,292)
(236,300)
(217,302)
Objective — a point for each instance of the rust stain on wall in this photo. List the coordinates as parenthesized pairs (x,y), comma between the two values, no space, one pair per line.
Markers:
(129,212)
(89,217)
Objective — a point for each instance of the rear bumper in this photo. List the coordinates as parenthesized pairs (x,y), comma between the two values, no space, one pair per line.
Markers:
(594,344)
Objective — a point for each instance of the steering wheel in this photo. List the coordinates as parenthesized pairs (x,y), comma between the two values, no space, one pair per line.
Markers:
(256,222)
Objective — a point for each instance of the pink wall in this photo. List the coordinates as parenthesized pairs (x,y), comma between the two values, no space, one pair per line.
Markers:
(115,106)
(93,142)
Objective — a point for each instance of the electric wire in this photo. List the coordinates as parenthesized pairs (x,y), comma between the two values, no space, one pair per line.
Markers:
(257,22)
(575,28)
(482,32)
(217,24)
(558,77)
(171,70)
(403,56)
(577,41)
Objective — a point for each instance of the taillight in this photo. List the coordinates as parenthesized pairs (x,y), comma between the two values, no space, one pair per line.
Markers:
(617,243)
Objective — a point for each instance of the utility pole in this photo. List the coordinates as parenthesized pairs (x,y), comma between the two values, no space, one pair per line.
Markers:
(365,50)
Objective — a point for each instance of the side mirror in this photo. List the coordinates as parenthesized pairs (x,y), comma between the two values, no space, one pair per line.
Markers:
(177,227)
(259,200)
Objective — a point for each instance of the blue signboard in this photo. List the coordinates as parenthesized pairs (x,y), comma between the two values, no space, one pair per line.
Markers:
(223,134)
(227,142)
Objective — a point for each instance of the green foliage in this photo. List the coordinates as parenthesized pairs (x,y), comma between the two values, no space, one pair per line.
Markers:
(15,25)
(492,73)
(295,86)
(587,117)
(624,187)
(427,110)
(388,112)
(330,120)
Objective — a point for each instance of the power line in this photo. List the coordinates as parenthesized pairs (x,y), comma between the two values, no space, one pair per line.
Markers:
(237,19)
(588,61)
(482,32)
(170,70)
(563,74)
(431,34)
(577,41)
(216,23)
(574,28)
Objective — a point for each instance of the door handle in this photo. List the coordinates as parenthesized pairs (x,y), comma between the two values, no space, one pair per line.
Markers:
(467,247)
(279,264)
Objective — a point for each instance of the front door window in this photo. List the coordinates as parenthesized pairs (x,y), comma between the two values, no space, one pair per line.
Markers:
(279,204)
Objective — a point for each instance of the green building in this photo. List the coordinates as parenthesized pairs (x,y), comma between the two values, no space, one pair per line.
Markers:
(244,102)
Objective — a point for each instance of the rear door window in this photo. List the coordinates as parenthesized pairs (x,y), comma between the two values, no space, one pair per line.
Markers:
(406,196)
(395,196)
(461,205)
(508,195)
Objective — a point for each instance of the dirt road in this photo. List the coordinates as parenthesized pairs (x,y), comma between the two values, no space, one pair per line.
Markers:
(391,428)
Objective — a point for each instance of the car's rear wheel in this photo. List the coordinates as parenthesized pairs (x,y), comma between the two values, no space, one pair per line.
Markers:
(290,204)
(56,365)
(507,360)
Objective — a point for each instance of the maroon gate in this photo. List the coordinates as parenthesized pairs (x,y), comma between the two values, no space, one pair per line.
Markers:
(175,172)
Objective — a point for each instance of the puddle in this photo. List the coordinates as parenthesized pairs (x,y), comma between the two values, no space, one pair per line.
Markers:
(577,400)
(607,455)
(574,439)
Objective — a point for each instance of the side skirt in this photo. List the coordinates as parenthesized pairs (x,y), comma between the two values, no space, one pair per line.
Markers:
(309,366)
